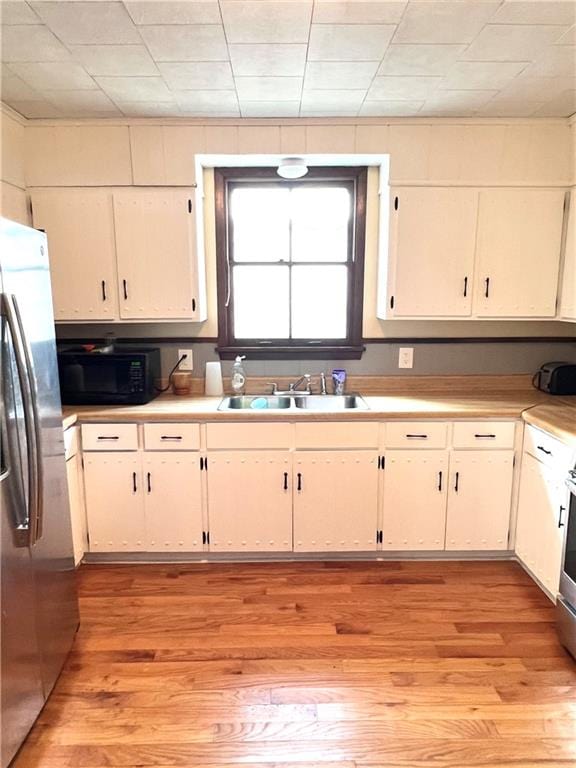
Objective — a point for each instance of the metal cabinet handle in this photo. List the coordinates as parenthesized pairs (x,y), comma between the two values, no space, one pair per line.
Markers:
(466,286)
(487,437)
(125,288)
(285,481)
(299,486)
(104,290)
(417,437)
(457,482)
(134,486)
(108,437)
(440,481)
(560,523)
(487,289)
(149,482)
(33,525)
(544,450)
(170,437)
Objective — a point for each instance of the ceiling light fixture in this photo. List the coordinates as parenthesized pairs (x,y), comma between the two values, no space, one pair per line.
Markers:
(292,168)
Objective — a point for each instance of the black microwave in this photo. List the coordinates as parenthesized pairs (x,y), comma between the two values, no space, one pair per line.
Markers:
(121,375)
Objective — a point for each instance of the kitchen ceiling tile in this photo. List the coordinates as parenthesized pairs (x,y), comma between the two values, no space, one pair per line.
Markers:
(207,102)
(197,75)
(268,59)
(76,103)
(556,61)
(332,100)
(89,23)
(114,60)
(568,38)
(15,89)
(562,105)
(268,88)
(511,42)
(26,42)
(475,75)
(440,21)
(18,12)
(535,12)
(498,107)
(358,12)
(269,108)
(193,42)
(254,21)
(36,109)
(398,88)
(339,75)
(455,103)
(328,112)
(349,42)
(53,76)
(420,59)
(169,12)
(390,108)
(135,88)
(526,88)
(149,108)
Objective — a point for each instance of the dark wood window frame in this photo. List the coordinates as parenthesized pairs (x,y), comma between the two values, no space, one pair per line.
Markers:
(350,348)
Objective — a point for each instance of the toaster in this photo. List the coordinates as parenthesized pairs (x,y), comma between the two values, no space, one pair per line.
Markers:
(556,378)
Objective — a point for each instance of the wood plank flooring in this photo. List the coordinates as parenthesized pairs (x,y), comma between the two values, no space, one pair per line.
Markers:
(338,665)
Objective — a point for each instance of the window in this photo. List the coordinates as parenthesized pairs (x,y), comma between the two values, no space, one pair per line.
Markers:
(290,262)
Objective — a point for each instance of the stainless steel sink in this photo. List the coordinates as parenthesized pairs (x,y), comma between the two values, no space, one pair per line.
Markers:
(331,402)
(248,403)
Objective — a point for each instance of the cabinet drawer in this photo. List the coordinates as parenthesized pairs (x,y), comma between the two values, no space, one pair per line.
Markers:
(278,435)
(109,437)
(484,434)
(547,449)
(416,434)
(70,442)
(337,435)
(172,437)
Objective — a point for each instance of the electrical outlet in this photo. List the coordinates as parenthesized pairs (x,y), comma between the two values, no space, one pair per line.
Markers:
(406,357)
(188,363)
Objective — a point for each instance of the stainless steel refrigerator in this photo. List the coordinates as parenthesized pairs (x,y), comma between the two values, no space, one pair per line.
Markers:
(39,603)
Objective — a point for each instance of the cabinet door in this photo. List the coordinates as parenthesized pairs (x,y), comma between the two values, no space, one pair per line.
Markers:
(568,302)
(335,501)
(77,507)
(172,501)
(250,501)
(479,499)
(156,254)
(415,485)
(114,502)
(432,243)
(519,239)
(539,537)
(80,229)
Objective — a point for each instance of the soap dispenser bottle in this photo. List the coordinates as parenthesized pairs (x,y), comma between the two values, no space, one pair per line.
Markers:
(238,380)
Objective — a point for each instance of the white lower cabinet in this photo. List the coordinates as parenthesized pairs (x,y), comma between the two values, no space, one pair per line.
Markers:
(414,500)
(541,514)
(250,501)
(114,501)
(479,498)
(147,503)
(335,501)
(77,506)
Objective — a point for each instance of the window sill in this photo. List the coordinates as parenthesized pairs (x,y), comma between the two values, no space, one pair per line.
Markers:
(293,352)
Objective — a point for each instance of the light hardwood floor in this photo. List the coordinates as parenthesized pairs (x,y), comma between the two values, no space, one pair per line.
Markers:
(339,665)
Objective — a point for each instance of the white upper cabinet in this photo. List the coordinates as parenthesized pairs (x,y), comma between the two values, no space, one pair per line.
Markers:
(518,252)
(156,251)
(432,238)
(79,224)
(568,296)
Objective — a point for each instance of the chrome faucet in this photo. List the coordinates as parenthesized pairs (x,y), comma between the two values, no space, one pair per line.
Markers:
(323,390)
(306,377)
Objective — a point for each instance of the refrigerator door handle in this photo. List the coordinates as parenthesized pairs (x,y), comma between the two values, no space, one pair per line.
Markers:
(9,308)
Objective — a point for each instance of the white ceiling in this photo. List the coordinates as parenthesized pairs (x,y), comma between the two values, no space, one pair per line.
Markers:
(289,58)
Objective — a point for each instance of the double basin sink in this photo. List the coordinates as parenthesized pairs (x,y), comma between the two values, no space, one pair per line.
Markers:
(284,402)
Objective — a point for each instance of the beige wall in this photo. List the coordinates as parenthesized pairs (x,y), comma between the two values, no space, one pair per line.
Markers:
(434,152)
(13,201)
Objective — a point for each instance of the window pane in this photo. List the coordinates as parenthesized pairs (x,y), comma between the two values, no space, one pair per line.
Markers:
(320,220)
(319,299)
(260,224)
(261,302)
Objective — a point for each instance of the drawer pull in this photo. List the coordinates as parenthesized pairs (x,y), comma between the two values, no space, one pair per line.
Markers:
(285,481)
(440,481)
(487,437)
(149,481)
(544,450)
(417,437)
(170,437)
(457,482)
(134,486)
(299,486)
(125,289)
(103,284)
(108,437)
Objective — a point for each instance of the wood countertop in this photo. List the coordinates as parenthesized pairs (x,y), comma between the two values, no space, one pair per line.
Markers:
(558,418)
